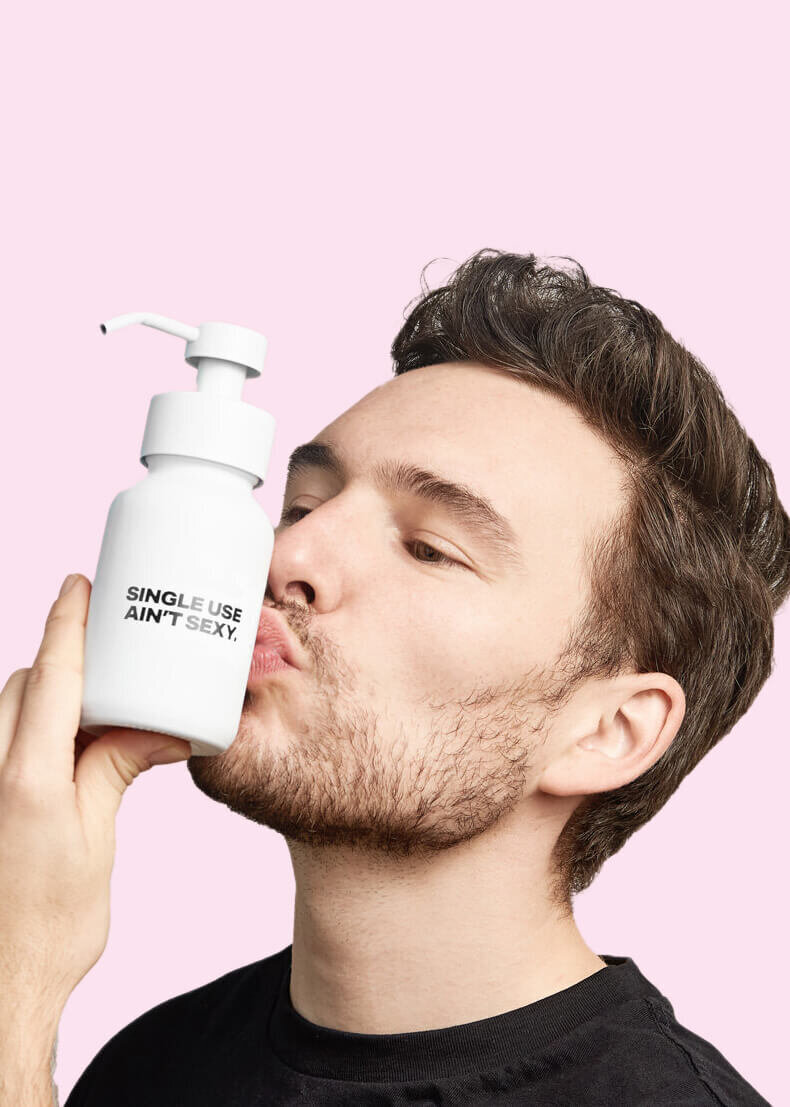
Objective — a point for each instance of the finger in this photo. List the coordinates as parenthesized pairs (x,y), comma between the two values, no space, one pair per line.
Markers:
(109,765)
(10,706)
(81,743)
(42,748)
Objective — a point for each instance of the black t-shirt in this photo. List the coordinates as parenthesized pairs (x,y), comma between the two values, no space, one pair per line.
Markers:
(610,1040)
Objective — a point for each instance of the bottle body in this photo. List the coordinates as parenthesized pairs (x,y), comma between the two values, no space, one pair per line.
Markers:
(175,604)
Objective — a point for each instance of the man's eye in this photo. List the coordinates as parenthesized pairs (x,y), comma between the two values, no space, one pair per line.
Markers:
(292,514)
(431,557)
(435,557)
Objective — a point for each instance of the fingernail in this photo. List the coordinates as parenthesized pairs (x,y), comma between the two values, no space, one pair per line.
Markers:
(68,583)
(168,754)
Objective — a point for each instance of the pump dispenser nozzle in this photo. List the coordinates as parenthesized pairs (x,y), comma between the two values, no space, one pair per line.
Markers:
(217,426)
(161,322)
(223,354)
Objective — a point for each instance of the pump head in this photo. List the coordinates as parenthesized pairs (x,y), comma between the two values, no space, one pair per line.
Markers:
(224,354)
(213,423)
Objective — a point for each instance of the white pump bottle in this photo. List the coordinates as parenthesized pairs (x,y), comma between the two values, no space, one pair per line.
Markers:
(185,557)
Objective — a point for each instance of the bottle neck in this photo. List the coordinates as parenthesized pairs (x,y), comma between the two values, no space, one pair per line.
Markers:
(198,469)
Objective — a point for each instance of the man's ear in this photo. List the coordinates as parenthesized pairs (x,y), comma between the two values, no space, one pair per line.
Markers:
(618,737)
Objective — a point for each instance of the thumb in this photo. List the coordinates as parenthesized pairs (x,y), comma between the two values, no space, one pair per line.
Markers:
(109,764)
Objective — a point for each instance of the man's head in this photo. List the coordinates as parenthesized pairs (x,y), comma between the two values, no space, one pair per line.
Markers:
(505,567)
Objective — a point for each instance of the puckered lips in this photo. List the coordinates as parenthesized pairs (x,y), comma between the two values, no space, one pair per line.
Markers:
(276,649)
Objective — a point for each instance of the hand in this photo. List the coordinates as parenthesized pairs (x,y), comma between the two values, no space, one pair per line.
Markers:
(60,790)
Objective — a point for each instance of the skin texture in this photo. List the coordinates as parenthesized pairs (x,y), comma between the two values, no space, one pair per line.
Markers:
(417,779)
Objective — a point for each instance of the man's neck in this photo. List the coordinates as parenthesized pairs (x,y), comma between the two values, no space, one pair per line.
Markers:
(388,947)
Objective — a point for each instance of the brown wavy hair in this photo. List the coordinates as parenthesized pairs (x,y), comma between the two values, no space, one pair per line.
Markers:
(689,577)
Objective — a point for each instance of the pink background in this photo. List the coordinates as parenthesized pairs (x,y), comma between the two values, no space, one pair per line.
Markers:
(292,168)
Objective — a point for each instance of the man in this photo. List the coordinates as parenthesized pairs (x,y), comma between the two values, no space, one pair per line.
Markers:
(522,588)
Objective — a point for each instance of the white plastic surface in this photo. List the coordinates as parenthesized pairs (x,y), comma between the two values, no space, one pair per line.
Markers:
(193,531)
(211,427)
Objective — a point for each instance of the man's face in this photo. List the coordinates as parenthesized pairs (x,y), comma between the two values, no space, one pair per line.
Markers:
(417,721)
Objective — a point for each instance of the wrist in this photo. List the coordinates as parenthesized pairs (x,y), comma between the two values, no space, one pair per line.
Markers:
(27,1066)
(21,1086)
(29,1090)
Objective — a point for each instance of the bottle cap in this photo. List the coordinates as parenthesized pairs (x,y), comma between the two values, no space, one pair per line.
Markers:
(212,423)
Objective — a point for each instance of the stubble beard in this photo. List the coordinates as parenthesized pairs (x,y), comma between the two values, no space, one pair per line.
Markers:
(367,780)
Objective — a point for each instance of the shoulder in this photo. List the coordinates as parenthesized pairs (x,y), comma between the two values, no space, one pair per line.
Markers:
(203,1009)
(696,1072)
(204,1018)
(638,1048)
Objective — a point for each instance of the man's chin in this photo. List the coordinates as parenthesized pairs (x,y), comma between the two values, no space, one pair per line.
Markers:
(237,777)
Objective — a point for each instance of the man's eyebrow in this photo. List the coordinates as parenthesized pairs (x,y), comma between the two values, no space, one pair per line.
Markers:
(473,510)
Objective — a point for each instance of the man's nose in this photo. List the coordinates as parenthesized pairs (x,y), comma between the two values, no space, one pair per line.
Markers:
(304,567)
(336,550)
